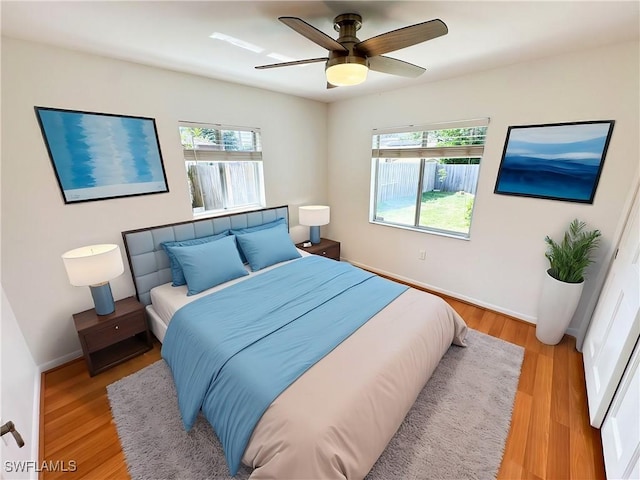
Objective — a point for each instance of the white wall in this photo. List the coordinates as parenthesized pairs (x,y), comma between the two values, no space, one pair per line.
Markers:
(37,227)
(20,399)
(502,265)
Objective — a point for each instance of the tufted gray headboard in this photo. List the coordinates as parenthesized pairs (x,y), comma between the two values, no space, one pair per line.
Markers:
(147,259)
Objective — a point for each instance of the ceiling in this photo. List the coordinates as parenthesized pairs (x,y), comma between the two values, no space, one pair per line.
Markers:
(175,35)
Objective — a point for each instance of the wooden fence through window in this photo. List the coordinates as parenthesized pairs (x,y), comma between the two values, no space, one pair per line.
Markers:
(400,179)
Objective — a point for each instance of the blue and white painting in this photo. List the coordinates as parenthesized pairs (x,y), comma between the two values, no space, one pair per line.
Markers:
(98,156)
(560,161)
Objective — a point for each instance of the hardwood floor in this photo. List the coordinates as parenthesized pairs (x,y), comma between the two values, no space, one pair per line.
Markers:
(550,435)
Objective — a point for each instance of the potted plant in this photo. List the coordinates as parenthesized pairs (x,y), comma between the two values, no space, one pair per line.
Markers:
(563,283)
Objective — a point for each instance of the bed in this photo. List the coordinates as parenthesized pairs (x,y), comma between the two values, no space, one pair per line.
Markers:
(344,404)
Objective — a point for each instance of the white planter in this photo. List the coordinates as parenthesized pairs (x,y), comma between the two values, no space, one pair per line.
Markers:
(557,304)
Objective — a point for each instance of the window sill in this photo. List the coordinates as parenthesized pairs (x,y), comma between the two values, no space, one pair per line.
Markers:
(440,233)
(228,211)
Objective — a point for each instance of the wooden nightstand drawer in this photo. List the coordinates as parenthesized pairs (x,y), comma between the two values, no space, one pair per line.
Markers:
(114,331)
(326,248)
(108,340)
(331,252)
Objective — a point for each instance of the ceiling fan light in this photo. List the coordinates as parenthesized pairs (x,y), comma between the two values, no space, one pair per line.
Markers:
(346,74)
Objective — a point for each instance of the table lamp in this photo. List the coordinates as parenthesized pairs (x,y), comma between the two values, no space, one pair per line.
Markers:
(313,216)
(94,266)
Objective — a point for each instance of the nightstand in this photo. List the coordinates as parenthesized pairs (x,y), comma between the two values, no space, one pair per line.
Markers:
(108,340)
(326,248)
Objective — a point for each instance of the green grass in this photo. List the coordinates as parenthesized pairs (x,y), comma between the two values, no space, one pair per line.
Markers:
(449,211)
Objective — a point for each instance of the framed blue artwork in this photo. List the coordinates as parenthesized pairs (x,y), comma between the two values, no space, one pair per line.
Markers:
(560,161)
(97,156)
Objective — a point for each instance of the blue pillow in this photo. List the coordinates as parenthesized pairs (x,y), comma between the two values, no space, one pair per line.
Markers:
(176,270)
(263,248)
(209,264)
(264,226)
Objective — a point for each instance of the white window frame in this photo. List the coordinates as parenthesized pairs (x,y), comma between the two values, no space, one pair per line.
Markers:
(207,155)
(424,154)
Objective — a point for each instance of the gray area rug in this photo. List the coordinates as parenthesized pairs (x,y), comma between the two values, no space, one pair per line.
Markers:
(456,430)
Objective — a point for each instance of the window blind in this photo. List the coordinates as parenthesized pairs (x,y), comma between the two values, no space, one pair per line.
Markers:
(476,122)
(219,143)
(417,142)
(204,155)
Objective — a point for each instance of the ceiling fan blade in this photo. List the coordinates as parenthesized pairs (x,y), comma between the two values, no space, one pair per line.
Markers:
(394,66)
(295,62)
(312,33)
(402,38)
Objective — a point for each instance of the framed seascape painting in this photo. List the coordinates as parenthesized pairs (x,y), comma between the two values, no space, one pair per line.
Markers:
(97,156)
(560,161)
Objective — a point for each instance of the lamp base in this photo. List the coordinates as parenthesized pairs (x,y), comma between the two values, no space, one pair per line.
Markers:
(103,299)
(314,233)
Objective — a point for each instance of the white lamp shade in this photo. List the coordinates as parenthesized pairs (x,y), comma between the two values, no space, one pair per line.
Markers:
(346,74)
(93,265)
(313,215)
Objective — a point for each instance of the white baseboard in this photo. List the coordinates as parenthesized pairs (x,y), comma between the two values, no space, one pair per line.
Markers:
(574,332)
(464,298)
(60,361)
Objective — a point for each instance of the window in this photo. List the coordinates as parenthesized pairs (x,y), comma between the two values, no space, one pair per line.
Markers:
(425,178)
(224,167)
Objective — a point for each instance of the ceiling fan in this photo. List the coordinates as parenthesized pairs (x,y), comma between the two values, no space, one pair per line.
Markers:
(350,59)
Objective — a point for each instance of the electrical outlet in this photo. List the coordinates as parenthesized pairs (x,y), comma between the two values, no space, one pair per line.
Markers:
(422,254)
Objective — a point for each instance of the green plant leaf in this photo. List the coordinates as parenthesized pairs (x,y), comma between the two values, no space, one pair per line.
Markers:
(570,258)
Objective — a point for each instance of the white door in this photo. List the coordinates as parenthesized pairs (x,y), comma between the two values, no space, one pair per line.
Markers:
(615,325)
(19,397)
(621,427)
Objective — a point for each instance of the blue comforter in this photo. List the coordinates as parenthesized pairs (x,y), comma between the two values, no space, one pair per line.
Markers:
(234,351)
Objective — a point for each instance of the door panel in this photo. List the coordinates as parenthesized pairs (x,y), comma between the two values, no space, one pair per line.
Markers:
(615,325)
(621,427)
